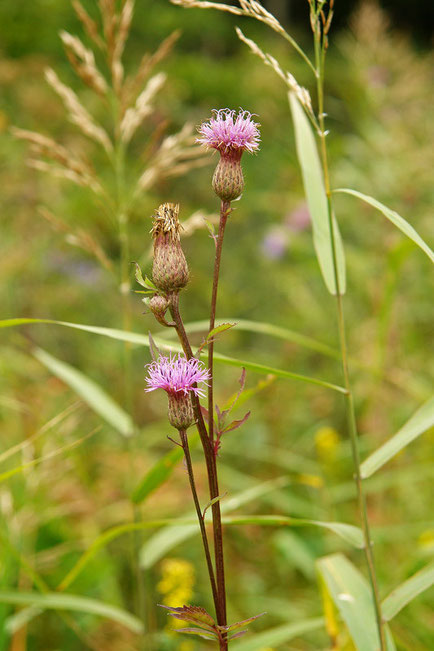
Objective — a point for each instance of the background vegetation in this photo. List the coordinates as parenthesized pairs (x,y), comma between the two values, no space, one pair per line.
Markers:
(378,97)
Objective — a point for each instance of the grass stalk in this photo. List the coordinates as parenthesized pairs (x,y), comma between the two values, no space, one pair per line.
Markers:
(320,43)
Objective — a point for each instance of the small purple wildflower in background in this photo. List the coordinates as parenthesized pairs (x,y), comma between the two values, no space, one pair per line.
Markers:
(275,242)
(225,132)
(231,135)
(178,377)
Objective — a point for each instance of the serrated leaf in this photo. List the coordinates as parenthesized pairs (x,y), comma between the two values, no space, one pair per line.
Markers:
(195,614)
(313,182)
(407,591)
(419,423)
(236,424)
(393,217)
(197,631)
(244,622)
(92,394)
(352,595)
(219,329)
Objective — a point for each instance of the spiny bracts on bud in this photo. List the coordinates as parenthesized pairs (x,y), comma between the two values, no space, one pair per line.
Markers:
(231,135)
(170,269)
(178,377)
(158,306)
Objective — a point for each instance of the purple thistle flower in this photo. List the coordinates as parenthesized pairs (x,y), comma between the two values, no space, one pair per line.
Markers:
(177,375)
(226,132)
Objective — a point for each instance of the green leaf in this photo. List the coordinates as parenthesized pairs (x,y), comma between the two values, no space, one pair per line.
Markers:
(313,183)
(137,338)
(419,423)
(219,329)
(407,591)
(395,218)
(158,474)
(278,635)
(348,532)
(55,601)
(269,329)
(89,391)
(144,282)
(353,597)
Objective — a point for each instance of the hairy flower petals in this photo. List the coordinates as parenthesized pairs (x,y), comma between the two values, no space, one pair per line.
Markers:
(227,131)
(176,375)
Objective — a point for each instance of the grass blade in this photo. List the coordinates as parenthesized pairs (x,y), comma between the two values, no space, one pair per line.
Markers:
(419,423)
(278,635)
(352,596)
(136,338)
(55,601)
(393,217)
(407,591)
(160,472)
(89,391)
(313,183)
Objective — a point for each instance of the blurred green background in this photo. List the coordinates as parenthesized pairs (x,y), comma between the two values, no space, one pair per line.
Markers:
(378,100)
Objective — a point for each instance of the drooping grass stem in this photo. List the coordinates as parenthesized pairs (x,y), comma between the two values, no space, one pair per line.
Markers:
(320,44)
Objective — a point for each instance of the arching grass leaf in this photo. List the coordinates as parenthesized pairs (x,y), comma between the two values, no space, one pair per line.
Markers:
(393,217)
(136,338)
(314,190)
(419,423)
(278,635)
(55,601)
(89,391)
(407,591)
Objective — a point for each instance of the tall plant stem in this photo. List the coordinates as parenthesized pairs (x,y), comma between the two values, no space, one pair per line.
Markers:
(211,467)
(186,448)
(225,207)
(320,50)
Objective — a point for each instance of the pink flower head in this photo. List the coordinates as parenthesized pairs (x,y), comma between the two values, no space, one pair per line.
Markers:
(177,375)
(228,132)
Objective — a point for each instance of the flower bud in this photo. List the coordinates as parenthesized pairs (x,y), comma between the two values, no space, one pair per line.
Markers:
(180,411)
(158,306)
(228,179)
(170,269)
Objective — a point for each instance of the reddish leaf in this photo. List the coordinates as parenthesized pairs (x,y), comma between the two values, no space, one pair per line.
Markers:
(236,423)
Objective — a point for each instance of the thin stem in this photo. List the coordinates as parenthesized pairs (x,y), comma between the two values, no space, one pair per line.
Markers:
(351,416)
(225,208)
(185,447)
(211,468)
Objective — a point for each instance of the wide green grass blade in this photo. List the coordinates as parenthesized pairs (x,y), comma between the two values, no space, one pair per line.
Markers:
(55,601)
(278,635)
(143,340)
(313,183)
(353,597)
(160,472)
(419,423)
(261,327)
(89,391)
(407,591)
(393,217)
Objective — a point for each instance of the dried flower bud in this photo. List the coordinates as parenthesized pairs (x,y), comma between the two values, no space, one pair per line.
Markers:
(170,269)
(231,137)
(158,306)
